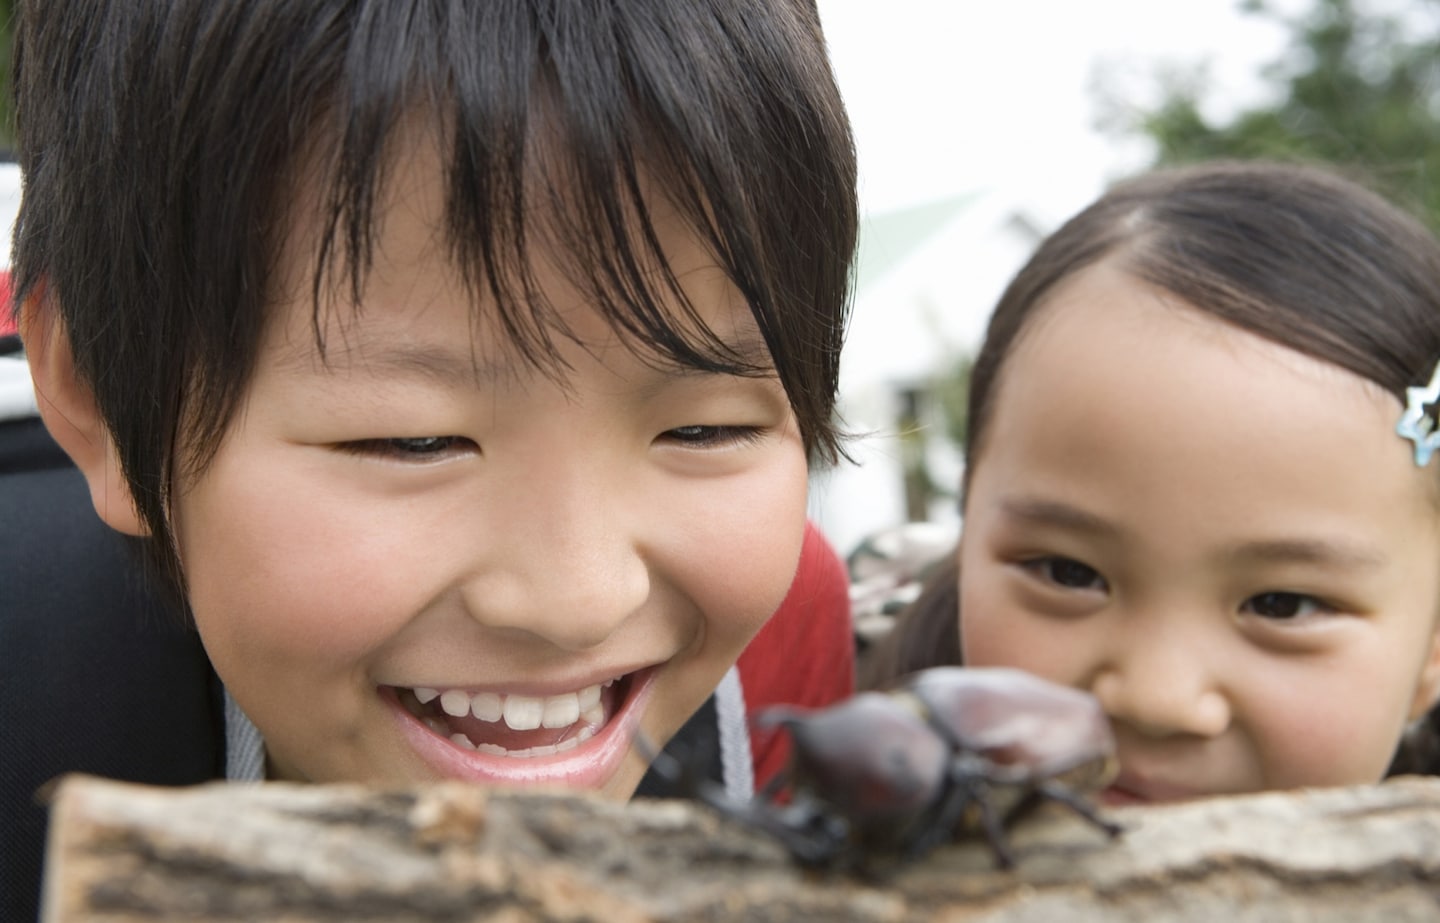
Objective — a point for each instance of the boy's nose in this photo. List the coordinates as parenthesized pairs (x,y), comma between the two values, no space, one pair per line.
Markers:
(1161,686)
(563,563)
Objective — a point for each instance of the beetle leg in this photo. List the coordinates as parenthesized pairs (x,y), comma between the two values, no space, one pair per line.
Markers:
(968,788)
(974,792)
(1055,791)
(941,825)
(976,774)
(994,830)
(813,835)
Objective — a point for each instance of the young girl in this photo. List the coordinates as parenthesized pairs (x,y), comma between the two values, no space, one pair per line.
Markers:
(459,364)
(1199,482)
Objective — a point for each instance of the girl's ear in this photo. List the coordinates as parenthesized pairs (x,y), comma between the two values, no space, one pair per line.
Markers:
(1428,689)
(68,407)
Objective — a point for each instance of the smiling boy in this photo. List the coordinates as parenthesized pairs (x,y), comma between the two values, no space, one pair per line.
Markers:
(459,365)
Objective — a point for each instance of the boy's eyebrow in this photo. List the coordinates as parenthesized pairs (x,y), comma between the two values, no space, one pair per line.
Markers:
(446,365)
(455,367)
(443,364)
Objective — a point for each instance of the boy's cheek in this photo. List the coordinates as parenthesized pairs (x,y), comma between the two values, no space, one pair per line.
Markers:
(292,614)
(762,543)
(273,575)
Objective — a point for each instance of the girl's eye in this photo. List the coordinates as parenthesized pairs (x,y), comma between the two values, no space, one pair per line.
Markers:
(1282,606)
(419,448)
(1068,573)
(702,437)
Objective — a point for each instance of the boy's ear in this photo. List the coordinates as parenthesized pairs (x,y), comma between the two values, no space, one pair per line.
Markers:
(1428,689)
(68,408)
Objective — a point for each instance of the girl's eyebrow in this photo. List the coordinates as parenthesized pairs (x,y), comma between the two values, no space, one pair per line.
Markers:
(1327,552)
(1320,551)
(1052,513)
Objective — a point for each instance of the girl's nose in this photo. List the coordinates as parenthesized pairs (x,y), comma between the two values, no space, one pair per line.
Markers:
(563,562)
(1162,687)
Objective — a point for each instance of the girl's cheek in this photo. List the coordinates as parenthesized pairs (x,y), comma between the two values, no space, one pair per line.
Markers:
(992,635)
(989,634)
(1322,737)
(987,639)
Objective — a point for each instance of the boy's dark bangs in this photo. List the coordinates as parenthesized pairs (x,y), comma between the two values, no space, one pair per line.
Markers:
(553,149)
(570,130)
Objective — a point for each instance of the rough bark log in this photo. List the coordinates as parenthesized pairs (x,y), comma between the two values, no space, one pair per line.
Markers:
(455,853)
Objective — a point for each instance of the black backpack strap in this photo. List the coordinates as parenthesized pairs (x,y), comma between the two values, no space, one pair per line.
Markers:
(98,675)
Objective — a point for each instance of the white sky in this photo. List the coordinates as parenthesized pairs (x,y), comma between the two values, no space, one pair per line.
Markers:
(949,96)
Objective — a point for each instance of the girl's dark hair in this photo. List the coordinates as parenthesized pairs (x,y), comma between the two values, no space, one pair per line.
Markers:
(164,144)
(926,632)
(1296,254)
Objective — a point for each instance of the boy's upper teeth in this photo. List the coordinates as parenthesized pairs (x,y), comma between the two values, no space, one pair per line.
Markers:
(520,712)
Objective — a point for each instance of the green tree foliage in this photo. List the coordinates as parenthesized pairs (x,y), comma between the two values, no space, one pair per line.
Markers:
(1356,87)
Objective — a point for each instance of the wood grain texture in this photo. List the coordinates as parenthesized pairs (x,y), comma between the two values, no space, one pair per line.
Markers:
(451,852)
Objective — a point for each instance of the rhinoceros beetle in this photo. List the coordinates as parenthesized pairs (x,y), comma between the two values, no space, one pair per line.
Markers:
(943,752)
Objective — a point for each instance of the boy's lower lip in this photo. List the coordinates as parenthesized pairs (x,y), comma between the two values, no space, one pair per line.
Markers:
(588,766)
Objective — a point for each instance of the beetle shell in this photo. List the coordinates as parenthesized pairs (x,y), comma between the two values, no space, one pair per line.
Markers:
(1015,719)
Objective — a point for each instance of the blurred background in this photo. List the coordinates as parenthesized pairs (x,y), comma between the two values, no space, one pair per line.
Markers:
(981,127)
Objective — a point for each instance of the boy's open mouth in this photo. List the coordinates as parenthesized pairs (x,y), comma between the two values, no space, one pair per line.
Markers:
(516,726)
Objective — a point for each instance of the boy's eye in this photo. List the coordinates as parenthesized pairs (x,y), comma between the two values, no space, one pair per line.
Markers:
(1068,573)
(712,436)
(418,448)
(1282,606)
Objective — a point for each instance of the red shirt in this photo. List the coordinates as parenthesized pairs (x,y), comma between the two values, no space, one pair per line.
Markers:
(805,654)
(7,320)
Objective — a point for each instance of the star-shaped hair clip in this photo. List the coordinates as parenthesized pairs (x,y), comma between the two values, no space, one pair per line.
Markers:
(1415,424)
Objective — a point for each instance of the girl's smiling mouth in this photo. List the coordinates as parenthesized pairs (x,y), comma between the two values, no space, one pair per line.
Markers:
(1132,788)
(576,738)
